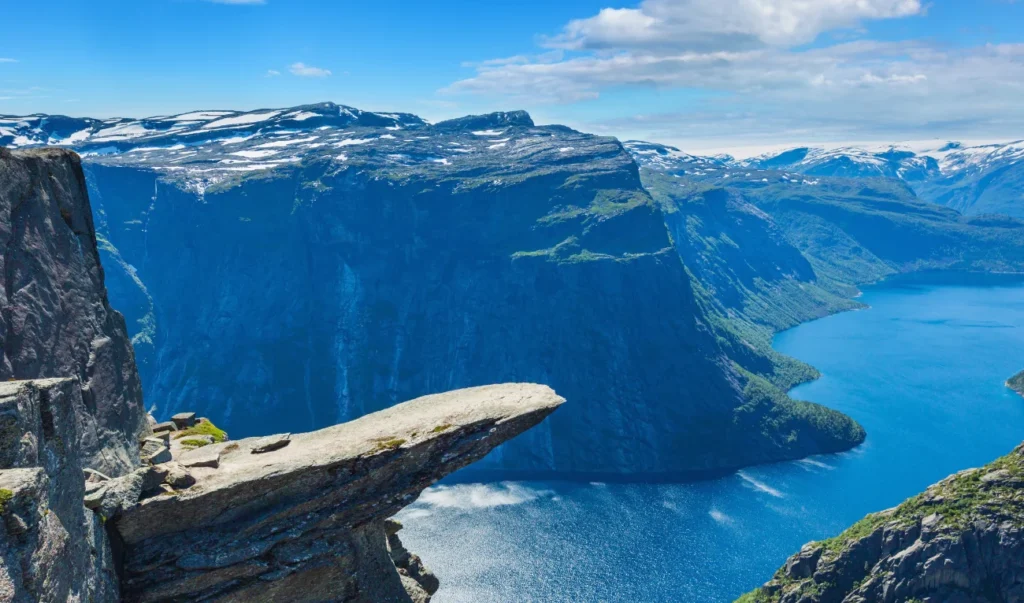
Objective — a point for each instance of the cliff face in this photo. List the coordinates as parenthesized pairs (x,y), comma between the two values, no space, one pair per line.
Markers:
(56,320)
(51,547)
(304,517)
(419,260)
(290,518)
(960,541)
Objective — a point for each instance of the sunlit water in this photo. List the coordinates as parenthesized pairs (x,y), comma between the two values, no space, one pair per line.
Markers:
(922,370)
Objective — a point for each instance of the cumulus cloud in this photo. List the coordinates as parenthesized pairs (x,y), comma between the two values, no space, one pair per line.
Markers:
(752,58)
(304,70)
(724,24)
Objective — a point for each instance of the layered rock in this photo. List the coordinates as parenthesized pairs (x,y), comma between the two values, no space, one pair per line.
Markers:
(306,518)
(960,541)
(51,547)
(56,320)
(360,266)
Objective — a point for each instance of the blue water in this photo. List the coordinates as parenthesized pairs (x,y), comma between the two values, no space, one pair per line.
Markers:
(922,369)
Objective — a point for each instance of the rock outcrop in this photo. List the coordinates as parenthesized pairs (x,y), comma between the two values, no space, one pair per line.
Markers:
(51,547)
(1016,383)
(305,519)
(85,517)
(961,541)
(55,319)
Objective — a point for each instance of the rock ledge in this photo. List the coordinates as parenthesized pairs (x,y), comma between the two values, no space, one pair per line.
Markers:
(306,522)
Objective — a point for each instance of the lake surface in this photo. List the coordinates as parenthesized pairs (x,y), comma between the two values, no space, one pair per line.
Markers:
(922,369)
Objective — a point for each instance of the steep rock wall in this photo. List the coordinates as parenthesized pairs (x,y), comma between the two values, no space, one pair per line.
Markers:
(321,292)
(56,320)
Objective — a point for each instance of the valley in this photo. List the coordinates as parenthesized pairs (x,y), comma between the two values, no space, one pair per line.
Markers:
(921,367)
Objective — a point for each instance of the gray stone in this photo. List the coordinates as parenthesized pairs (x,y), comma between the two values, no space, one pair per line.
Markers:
(57,320)
(93,476)
(52,548)
(271,443)
(184,419)
(166,426)
(263,527)
(161,455)
(923,552)
(178,476)
(207,456)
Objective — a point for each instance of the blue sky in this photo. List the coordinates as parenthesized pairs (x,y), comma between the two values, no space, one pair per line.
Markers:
(699,73)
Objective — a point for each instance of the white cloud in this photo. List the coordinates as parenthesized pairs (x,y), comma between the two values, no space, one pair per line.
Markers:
(273,73)
(746,63)
(4,60)
(724,24)
(304,70)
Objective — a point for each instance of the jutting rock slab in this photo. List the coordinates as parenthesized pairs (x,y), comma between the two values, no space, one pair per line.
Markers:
(306,522)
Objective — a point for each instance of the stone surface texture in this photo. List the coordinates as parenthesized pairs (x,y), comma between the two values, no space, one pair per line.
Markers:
(306,522)
(961,541)
(56,321)
(51,547)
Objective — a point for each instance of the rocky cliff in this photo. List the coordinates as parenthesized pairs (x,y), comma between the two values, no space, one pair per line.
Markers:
(960,541)
(335,270)
(1016,383)
(303,517)
(51,547)
(89,512)
(56,320)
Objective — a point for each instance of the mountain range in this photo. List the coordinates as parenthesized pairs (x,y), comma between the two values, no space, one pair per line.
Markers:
(287,269)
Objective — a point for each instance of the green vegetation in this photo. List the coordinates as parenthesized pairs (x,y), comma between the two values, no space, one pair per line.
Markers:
(441,428)
(5,497)
(388,443)
(194,443)
(957,501)
(203,427)
(1016,383)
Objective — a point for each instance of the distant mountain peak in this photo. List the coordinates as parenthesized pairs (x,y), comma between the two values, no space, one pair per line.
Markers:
(498,119)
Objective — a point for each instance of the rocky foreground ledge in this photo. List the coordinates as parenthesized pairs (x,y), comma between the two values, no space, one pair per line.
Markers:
(305,517)
(961,541)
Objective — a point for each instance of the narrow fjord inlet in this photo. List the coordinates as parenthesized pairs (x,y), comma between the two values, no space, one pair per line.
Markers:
(923,369)
(645,301)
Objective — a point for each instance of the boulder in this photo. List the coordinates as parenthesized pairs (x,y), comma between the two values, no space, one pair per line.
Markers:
(184,420)
(207,456)
(167,426)
(271,443)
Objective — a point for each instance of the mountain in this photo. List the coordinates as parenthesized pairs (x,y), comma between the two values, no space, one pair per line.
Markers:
(288,269)
(292,517)
(974,180)
(958,541)
(769,249)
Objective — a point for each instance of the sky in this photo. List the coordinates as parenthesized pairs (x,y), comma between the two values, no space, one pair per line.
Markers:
(699,74)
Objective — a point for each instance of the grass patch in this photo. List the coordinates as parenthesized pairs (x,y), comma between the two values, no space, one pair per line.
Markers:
(203,427)
(441,428)
(194,443)
(5,497)
(388,444)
